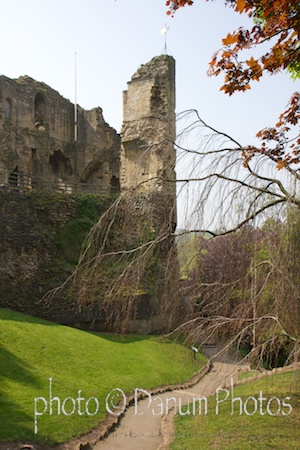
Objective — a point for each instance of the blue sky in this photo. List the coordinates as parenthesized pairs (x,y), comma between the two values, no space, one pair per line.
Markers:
(113,37)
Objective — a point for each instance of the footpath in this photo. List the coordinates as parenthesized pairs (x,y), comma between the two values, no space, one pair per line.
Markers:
(146,426)
(148,423)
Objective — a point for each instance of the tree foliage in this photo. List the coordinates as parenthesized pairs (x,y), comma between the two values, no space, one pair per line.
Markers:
(245,289)
(276,22)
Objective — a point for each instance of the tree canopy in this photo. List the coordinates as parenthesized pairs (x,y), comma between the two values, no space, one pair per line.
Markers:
(276,22)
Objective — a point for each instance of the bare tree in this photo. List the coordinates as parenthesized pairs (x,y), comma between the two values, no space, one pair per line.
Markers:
(128,268)
(233,184)
(242,291)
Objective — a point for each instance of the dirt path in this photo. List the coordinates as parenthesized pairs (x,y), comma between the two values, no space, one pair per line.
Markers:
(148,425)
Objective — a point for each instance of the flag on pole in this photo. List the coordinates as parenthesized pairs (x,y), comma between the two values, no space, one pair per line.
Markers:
(164,30)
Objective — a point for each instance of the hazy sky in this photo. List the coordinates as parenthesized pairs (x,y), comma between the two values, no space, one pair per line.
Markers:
(113,37)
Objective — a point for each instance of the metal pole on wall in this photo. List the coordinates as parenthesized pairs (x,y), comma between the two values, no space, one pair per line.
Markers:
(75,126)
(75,104)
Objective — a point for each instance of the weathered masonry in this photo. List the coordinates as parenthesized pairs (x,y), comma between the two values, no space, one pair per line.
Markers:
(37,136)
(38,151)
(148,132)
(148,179)
(37,145)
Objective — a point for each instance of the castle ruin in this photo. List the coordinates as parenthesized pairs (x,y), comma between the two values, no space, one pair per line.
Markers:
(39,151)
(38,147)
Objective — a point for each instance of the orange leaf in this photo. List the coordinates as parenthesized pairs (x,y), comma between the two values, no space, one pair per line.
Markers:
(226,54)
(251,62)
(230,39)
(255,67)
(240,6)
(281,164)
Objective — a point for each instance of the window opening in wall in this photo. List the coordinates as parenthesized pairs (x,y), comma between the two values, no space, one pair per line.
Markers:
(60,164)
(13,178)
(39,112)
(7,109)
(114,184)
(34,168)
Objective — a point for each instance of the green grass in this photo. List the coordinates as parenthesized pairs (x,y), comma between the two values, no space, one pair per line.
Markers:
(257,431)
(33,350)
(248,374)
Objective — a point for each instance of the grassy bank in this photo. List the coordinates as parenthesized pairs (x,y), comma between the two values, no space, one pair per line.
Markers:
(269,422)
(32,351)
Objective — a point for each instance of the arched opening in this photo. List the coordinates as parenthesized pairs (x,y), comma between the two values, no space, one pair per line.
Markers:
(7,109)
(39,110)
(114,184)
(92,173)
(60,164)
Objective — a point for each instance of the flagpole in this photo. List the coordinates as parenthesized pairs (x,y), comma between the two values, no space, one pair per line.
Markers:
(164,32)
(75,122)
(75,104)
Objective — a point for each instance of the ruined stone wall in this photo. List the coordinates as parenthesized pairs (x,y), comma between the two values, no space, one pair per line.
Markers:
(148,133)
(99,157)
(148,179)
(152,288)
(37,143)
(40,240)
(39,230)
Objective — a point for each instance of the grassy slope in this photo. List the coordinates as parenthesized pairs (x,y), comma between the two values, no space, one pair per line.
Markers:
(236,432)
(32,351)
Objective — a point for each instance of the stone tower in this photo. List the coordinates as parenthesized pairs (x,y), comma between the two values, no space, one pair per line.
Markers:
(148,182)
(148,133)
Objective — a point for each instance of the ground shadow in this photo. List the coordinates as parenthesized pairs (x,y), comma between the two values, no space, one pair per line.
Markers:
(16,419)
